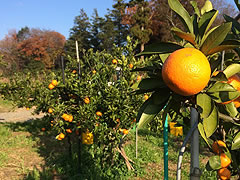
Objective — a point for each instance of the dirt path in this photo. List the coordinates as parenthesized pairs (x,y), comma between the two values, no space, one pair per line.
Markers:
(18,115)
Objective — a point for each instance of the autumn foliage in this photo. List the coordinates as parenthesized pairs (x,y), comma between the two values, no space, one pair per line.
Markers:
(20,48)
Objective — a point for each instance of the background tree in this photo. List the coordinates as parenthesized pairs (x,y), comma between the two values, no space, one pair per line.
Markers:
(96,28)
(42,45)
(79,32)
(138,17)
(9,52)
(121,29)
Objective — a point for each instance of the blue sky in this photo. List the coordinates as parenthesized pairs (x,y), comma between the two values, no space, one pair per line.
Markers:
(57,15)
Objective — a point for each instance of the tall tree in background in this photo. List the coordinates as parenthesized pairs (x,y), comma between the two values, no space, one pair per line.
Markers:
(107,34)
(96,28)
(79,32)
(116,15)
(138,17)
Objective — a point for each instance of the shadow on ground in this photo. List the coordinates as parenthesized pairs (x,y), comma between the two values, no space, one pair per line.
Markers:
(60,158)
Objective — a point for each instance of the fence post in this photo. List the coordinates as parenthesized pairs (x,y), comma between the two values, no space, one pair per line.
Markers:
(195,172)
(165,145)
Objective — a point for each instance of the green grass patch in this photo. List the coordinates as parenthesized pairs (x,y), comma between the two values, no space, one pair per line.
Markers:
(25,141)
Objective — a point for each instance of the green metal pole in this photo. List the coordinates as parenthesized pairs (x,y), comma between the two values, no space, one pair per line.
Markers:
(165,145)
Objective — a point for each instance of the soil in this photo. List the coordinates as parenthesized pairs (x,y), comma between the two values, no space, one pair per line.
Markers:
(19,115)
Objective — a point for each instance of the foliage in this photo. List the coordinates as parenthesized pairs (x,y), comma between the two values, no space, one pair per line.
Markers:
(215,117)
(19,49)
(99,86)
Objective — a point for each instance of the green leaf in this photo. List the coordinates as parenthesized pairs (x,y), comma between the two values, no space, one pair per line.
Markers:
(214,162)
(231,109)
(195,7)
(236,142)
(205,103)
(151,84)
(226,45)
(231,70)
(176,6)
(216,37)
(202,132)
(211,122)
(206,21)
(235,23)
(160,48)
(183,35)
(206,7)
(161,96)
(237,4)
(222,92)
(148,111)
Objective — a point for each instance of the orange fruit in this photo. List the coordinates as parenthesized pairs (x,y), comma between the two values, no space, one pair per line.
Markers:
(130,66)
(114,61)
(235,82)
(70,118)
(43,129)
(50,110)
(186,71)
(86,100)
(54,82)
(61,135)
(64,116)
(139,78)
(225,160)
(218,146)
(94,71)
(59,138)
(145,96)
(224,174)
(51,86)
(125,131)
(74,71)
(69,131)
(98,113)
(27,108)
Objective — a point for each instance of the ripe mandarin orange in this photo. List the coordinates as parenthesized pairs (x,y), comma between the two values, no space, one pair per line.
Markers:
(125,131)
(70,118)
(186,71)
(130,66)
(145,97)
(114,61)
(225,160)
(218,146)
(69,131)
(51,86)
(98,113)
(86,100)
(234,80)
(61,136)
(50,110)
(54,82)
(224,174)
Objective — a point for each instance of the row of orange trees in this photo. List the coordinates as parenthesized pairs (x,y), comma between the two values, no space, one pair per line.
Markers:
(94,104)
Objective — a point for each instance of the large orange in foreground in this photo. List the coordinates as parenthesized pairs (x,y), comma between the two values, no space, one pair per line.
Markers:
(186,71)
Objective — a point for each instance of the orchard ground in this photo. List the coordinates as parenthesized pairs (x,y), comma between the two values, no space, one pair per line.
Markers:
(27,152)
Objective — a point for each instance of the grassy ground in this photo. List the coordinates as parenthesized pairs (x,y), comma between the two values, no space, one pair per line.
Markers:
(5,105)
(28,153)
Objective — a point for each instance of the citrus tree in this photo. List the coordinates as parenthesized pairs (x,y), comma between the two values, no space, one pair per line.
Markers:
(195,72)
(91,107)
